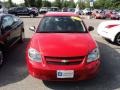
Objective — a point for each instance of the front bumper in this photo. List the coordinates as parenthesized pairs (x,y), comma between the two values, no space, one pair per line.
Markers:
(107,35)
(100,17)
(36,14)
(49,72)
(114,17)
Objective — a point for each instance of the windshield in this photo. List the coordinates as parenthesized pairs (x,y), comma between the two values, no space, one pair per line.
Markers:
(43,8)
(53,9)
(61,25)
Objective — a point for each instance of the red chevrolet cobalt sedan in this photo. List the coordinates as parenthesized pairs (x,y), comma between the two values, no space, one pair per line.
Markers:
(62,49)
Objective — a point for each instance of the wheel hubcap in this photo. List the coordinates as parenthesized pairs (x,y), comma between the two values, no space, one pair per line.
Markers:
(1,57)
(118,39)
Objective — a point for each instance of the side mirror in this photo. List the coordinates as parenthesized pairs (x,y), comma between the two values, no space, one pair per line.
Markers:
(90,28)
(32,28)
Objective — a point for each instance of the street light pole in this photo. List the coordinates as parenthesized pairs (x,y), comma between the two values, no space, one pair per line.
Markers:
(91,5)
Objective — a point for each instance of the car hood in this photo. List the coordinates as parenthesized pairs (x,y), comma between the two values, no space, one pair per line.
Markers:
(63,45)
(109,26)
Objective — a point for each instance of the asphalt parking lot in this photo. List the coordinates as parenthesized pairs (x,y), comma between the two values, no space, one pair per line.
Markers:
(14,75)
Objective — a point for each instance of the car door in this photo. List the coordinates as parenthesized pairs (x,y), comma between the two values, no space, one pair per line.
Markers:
(8,27)
(25,11)
(17,26)
(5,38)
(20,11)
(5,33)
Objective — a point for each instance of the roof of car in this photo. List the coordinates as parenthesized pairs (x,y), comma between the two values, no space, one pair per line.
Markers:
(2,14)
(61,14)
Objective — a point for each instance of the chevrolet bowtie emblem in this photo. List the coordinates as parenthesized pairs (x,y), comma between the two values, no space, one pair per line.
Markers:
(64,61)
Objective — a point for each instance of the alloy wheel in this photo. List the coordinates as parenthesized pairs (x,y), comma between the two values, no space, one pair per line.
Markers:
(118,39)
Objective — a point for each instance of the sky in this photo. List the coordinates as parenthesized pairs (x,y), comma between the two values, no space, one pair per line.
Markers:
(21,1)
(15,1)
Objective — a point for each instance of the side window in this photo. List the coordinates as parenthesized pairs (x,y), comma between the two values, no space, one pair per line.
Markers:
(25,9)
(7,21)
(0,6)
(19,9)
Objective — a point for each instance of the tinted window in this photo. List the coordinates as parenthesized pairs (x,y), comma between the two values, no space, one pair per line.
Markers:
(22,9)
(7,21)
(12,8)
(61,24)
(54,9)
(19,9)
(0,6)
(43,8)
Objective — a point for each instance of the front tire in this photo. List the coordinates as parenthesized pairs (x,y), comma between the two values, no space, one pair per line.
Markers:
(117,39)
(32,16)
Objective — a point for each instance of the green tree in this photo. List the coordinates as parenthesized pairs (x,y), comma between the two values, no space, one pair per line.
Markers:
(87,3)
(81,4)
(109,4)
(38,3)
(65,3)
(115,3)
(26,2)
(46,4)
(57,3)
(71,4)
(32,3)
(10,3)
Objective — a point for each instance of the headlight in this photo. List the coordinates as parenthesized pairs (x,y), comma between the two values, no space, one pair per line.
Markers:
(94,55)
(34,55)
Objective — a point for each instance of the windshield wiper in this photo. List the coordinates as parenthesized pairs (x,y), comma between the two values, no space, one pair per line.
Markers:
(61,31)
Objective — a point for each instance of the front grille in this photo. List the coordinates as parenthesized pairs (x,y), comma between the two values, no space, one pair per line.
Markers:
(64,60)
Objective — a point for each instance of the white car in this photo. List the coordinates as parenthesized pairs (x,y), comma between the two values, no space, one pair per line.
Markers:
(43,10)
(110,30)
(86,11)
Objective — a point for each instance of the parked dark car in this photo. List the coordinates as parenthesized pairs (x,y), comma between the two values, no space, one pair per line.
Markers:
(34,9)
(11,31)
(22,11)
(64,9)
